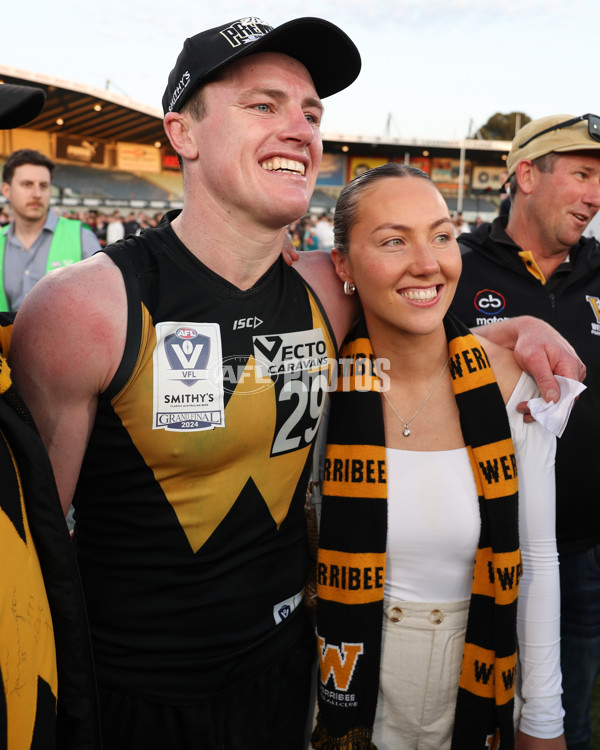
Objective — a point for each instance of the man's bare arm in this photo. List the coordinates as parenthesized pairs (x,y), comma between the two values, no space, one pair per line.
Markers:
(67,342)
(539,350)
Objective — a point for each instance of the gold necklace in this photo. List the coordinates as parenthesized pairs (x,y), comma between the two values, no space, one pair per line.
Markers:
(406,422)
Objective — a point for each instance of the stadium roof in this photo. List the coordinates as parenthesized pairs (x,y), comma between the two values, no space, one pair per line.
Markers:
(78,110)
(109,116)
(96,113)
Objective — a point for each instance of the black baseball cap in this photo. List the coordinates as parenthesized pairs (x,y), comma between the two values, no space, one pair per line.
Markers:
(329,55)
(19,104)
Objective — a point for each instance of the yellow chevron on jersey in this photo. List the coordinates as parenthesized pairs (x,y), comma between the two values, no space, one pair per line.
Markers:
(27,649)
(5,379)
(220,462)
(5,334)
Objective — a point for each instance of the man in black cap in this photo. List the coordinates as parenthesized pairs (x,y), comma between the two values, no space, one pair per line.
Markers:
(185,371)
(178,380)
(47,687)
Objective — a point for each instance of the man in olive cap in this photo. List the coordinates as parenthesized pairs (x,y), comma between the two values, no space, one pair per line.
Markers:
(536,262)
(47,687)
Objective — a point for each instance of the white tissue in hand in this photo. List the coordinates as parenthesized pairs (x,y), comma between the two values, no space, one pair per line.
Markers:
(554,416)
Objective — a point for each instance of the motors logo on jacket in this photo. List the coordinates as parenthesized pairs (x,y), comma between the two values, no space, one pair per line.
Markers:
(489,302)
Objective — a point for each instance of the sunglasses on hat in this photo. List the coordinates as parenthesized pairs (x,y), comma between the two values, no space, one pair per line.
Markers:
(593,127)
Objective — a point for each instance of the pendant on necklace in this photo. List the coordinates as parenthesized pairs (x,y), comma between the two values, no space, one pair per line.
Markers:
(406,432)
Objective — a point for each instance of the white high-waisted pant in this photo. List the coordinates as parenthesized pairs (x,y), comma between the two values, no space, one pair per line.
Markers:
(420,670)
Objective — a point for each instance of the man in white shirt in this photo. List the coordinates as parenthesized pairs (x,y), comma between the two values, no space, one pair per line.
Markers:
(324,232)
(115,229)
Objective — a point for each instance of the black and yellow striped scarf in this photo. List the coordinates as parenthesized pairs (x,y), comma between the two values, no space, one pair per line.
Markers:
(352,550)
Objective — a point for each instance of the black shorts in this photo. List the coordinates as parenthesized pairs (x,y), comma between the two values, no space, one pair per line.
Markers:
(268,713)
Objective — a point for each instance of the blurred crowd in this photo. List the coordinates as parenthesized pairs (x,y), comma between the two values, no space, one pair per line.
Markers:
(315,232)
(107,227)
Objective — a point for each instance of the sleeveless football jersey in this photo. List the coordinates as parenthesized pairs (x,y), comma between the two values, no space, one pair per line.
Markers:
(190,526)
(44,640)
(28,671)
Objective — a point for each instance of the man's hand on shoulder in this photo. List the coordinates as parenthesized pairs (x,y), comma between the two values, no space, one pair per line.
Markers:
(539,350)
(317,269)
(289,252)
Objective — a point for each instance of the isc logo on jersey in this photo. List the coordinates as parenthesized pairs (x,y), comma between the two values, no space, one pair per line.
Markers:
(291,353)
(188,383)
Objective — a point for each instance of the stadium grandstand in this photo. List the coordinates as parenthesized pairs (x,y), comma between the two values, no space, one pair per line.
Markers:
(111,153)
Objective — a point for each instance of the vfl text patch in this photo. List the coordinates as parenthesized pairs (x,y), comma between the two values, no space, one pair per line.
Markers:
(188,381)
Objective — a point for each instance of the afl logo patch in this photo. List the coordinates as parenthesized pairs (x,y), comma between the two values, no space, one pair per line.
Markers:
(186,333)
(489,302)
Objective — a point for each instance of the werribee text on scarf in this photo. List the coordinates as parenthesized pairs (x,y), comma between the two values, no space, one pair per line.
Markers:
(352,550)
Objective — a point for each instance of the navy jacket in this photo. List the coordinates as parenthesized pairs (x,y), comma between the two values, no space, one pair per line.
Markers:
(495,284)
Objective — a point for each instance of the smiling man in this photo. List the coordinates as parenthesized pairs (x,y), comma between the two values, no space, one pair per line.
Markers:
(537,263)
(184,372)
(37,240)
(178,380)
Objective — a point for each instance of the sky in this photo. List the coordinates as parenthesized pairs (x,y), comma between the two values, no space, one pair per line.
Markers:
(432,69)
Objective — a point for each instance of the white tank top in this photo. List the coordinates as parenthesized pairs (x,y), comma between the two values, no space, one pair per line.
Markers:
(433,525)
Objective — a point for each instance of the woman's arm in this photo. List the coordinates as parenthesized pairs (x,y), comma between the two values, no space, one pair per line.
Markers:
(538,611)
(527,742)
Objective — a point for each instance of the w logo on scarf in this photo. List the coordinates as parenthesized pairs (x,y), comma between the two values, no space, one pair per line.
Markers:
(338,662)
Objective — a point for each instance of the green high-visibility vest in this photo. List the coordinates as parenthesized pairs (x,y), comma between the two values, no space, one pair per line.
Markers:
(65,249)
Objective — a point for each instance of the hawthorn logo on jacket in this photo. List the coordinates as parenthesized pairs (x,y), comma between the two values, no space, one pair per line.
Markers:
(595,305)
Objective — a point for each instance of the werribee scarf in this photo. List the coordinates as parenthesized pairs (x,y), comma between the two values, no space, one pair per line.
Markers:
(352,548)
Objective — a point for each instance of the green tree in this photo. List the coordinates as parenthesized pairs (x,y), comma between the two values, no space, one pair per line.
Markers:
(501,127)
